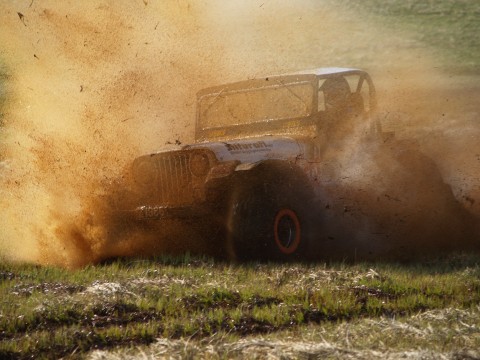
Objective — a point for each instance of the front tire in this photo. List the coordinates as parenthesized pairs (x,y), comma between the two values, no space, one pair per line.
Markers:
(269,217)
(287,231)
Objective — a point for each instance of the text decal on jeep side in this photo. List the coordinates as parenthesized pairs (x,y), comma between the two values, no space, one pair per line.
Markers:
(248,147)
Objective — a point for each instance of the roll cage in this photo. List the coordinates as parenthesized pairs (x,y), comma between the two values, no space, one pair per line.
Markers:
(284,104)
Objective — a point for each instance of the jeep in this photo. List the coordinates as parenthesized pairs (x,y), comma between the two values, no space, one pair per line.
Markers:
(254,162)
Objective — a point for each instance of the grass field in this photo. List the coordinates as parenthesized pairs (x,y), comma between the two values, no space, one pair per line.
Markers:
(197,306)
(450,28)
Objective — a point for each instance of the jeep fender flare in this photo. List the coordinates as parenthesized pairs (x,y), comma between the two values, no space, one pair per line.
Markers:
(231,168)
(276,169)
(247,166)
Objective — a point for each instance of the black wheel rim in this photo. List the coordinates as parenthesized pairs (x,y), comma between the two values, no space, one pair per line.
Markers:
(287,231)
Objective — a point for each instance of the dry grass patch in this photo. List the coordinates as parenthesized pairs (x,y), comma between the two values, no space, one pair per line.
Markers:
(52,312)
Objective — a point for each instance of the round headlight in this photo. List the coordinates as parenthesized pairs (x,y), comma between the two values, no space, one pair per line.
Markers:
(199,164)
(144,172)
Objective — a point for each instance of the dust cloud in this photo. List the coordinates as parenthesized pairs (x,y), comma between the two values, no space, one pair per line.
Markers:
(91,85)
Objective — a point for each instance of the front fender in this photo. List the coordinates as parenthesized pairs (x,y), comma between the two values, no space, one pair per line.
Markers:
(222,170)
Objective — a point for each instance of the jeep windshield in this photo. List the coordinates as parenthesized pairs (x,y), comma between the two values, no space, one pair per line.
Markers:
(261,104)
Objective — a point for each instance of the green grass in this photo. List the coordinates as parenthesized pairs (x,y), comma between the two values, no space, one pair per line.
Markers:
(53,312)
(450,27)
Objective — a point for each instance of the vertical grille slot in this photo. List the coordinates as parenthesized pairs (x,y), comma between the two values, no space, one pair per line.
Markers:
(174,186)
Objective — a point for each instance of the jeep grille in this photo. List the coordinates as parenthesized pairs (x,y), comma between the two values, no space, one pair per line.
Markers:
(167,179)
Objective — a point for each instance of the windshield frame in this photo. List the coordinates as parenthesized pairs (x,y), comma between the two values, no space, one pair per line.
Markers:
(255,85)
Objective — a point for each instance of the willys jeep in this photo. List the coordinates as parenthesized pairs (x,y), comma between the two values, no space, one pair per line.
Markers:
(254,162)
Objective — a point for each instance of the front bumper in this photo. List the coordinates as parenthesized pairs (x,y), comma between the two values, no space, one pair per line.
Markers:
(157,212)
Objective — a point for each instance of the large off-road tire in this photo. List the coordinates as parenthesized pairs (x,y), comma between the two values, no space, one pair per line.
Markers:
(270,217)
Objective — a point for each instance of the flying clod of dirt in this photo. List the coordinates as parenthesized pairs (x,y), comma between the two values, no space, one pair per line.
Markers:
(88,86)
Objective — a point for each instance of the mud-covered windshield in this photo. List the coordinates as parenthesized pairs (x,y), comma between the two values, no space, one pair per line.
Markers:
(247,106)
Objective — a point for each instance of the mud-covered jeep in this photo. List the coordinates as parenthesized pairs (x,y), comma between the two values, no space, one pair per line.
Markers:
(254,161)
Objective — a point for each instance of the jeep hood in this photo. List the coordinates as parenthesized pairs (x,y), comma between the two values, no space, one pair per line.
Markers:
(256,149)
